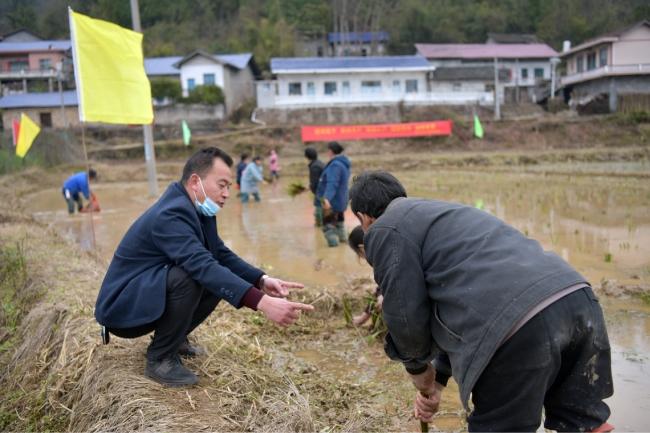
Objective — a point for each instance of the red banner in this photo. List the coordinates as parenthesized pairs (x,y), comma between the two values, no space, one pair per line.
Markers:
(382,130)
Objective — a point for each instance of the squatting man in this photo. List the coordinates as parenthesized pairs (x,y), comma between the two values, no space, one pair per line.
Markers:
(171,270)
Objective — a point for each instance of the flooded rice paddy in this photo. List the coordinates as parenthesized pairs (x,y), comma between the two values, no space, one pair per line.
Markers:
(600,224)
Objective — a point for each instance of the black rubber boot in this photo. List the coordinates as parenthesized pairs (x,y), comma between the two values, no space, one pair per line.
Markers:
(170,371)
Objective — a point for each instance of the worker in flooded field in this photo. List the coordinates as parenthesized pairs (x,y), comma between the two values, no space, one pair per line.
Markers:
(332,194)
(517,327)
(241,166)
(250,180)
(171,270)
(315,170)
(78,183)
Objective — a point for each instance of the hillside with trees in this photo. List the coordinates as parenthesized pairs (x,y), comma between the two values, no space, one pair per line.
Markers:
(269,28)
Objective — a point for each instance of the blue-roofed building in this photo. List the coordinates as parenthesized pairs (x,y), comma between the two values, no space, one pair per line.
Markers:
(48,110)
(234,73)
(357,43)
(310,82)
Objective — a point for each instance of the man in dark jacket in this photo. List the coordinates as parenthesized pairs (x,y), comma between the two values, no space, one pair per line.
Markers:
(332,194)
(315,170)
(516,327)
(241,166)
(171,269)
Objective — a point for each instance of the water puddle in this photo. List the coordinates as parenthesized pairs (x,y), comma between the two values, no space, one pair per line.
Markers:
(601,225)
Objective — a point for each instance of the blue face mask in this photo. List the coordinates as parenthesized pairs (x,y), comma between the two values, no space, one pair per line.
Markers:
(208,208)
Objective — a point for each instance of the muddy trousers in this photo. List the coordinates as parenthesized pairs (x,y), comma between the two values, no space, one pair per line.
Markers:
(558,361)
(71,200)
(187,305)
(334,229)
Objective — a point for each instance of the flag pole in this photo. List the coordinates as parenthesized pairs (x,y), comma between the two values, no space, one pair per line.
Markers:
(92,208)
(147,130)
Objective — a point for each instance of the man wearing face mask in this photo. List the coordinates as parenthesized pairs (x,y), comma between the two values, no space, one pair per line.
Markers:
(171,269)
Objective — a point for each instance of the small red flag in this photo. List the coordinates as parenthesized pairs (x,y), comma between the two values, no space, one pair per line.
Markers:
(15,129)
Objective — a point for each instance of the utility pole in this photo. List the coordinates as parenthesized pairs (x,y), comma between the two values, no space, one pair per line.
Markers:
(497,108)
(149,153)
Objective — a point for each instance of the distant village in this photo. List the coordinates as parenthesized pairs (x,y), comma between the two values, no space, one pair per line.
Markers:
(608,73)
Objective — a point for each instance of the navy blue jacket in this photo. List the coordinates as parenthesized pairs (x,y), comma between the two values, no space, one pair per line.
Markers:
(171,232)
(333,183)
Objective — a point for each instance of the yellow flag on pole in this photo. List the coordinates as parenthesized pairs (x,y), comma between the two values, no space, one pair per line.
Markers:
(26,135)
(112,86)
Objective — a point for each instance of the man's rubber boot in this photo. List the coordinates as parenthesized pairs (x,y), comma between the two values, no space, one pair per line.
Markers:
(190,351)
(331,236)
(170,371)
(340,231)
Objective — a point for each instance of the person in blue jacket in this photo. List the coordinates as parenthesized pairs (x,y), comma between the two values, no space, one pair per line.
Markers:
(241,166)
(171,269)
(75,184)
(332,194)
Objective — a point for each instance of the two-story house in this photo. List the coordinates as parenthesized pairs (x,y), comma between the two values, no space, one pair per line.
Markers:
(522,68)
(614,67)
(24,63)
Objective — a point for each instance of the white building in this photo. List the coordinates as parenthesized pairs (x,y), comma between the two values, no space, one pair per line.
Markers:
(522,67)
(233,73)
(615,64)
(347,81)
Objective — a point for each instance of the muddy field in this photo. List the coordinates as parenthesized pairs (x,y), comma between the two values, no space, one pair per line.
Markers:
(592,206)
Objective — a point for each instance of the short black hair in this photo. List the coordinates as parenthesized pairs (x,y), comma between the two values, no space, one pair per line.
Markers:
(355,241)
(92,174)
(311,154)
(335,147)
(244,156)
(201,162)
(372,192)
(257,158)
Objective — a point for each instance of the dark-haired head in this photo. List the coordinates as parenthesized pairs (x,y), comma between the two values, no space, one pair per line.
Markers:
(244,156)
(335,147)
(355,241)
(311,154)
(372,192)
(92,174)
(201,162)
(257,159)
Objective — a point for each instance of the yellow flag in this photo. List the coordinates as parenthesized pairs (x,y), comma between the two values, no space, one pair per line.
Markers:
(112,86)
(28,132)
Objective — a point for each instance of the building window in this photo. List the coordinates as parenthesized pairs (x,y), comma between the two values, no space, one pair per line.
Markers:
(330,87)
(489,87)
(602,56)
(456,87)
(591,61)
(295,88)
(364,52)
(311,88)
(370,87)
(524,73)
(208,79)
(539,72)
(319,51)
(191,84)
(18,65)
(345,88)
(397,86)
(45,120)
(45,64)
(580,65)
(411,86)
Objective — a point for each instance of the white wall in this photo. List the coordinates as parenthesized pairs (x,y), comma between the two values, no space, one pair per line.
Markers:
(196,68)
(633,47)
(355,80)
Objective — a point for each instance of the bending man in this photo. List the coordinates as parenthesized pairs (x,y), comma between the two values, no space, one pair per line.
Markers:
(516,327)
